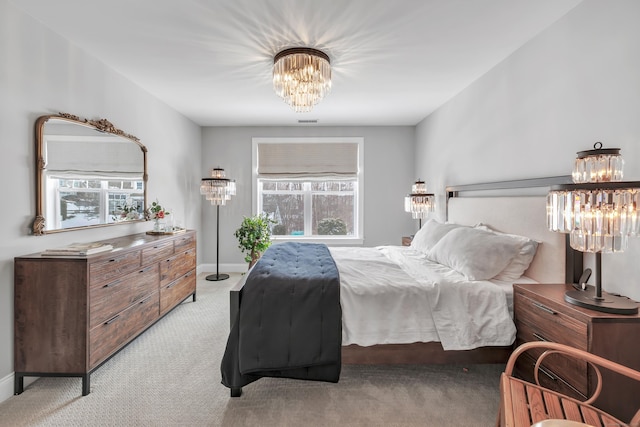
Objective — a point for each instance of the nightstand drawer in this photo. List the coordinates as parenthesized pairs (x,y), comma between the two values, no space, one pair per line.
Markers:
(565,372)
(549,378)
(548,324)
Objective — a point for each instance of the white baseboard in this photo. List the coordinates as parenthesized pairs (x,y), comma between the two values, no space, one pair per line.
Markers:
(6,385)
(223,268)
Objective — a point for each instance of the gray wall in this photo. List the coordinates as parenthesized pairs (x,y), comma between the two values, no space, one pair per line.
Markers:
(41,73)
(578,82)
(388,176)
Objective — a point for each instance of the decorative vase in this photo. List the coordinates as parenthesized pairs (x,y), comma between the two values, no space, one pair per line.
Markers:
(157,226)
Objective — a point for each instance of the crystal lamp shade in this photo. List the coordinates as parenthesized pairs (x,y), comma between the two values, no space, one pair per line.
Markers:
(218,189)
(301,77)
(598,210)
(419,202)
(598,165)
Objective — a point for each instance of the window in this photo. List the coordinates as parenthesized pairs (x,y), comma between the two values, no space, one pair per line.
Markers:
(310,188)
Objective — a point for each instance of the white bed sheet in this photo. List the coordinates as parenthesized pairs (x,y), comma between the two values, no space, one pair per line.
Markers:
(394,295)
(507,288)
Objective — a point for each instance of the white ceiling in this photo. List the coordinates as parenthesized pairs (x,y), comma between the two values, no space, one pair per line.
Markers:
(394,61)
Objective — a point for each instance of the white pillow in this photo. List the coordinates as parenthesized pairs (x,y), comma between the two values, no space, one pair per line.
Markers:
(474,253)
(519,264)
(430,233)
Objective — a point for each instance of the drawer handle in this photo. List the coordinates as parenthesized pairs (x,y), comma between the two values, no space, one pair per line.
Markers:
(113,319)
(544,308)
(112,284)
(189,274)
(144,270)
(540,337)
(144,300)
(547,373)
(171,285)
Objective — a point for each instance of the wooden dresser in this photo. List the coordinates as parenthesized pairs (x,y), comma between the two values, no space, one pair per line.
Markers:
(541,314)
(73,313)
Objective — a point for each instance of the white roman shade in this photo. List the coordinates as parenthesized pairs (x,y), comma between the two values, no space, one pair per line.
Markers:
(106,159)
(297,160)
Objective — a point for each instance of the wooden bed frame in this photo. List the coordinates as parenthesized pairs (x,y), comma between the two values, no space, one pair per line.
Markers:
(552,248)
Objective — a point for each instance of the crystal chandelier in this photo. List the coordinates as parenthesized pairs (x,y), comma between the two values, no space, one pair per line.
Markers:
(419,202)
(600,212)
(301,77)
(218,189)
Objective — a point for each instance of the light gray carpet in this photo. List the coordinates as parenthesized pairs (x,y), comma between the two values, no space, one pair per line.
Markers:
(170,376)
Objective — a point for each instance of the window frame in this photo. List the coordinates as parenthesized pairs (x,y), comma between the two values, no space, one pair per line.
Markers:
(358,237)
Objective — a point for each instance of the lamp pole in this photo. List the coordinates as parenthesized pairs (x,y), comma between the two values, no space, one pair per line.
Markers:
(217,276)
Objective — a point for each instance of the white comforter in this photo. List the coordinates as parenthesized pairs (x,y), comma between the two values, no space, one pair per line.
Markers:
(393,295)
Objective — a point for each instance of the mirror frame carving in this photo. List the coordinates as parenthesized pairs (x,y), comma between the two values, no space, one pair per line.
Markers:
(101,125)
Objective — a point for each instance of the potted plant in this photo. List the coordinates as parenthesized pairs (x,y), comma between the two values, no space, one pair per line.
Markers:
(254,236)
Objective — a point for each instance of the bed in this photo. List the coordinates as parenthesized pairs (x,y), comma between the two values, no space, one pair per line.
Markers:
(499,215)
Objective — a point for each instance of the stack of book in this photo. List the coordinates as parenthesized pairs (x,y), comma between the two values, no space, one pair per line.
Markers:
(79,249)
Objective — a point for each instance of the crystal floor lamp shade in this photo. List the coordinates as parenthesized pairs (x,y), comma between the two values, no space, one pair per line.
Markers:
(218,189)
(419,203)
(599,211)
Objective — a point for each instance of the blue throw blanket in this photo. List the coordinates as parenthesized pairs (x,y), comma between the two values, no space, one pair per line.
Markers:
(290,320)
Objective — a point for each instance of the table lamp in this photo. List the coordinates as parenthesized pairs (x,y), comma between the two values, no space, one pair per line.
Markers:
(600,213)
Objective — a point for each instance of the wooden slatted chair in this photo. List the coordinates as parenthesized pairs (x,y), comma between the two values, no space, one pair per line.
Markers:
(523,404)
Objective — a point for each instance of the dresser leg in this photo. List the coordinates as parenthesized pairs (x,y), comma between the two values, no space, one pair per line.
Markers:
(18,384)
(236,391)
(194,297)
(86,384)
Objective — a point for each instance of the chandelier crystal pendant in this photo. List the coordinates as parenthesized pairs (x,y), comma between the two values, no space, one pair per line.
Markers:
(419,203)
(301,77)
(599,211)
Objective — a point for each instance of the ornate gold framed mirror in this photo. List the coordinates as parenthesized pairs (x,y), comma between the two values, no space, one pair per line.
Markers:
(88,174)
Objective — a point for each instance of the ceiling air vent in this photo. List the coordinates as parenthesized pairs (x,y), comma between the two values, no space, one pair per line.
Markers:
(308,121)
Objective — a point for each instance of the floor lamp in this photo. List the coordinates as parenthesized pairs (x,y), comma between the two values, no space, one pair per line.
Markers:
(419,202)
(218,190)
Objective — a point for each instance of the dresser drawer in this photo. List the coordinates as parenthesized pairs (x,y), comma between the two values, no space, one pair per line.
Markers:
(547,324)
(177,265)
(176,291)
(157,252)
(111,334)
(103,271)
(107,299)
(185,242)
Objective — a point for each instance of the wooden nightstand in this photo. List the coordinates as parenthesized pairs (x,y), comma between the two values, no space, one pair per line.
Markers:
(541,314)
(406,240)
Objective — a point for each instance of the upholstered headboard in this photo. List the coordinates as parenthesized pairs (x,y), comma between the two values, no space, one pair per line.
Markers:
(555,261)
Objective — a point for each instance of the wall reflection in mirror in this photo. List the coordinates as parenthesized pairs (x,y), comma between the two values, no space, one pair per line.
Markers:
(89,174)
